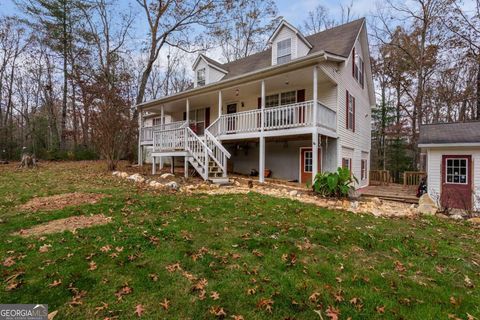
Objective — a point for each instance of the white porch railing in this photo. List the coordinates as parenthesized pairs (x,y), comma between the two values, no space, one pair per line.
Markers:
(169,140)
(295,115)
(146,133)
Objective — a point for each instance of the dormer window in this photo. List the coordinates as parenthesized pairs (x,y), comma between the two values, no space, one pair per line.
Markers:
(201,77)
(284,51)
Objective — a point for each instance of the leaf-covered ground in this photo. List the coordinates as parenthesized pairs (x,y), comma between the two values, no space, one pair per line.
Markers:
(173,256)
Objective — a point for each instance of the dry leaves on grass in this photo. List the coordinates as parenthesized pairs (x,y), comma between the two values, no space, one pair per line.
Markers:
(67,224)
(139,310)
(61,201)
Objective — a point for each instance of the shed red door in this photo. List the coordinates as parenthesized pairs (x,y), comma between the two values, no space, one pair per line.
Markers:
(457,181)
(306,164)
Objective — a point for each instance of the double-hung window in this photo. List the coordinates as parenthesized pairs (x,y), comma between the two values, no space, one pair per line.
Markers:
(350,112)
(284,51)
(364,169)
(201,77)
(358,69)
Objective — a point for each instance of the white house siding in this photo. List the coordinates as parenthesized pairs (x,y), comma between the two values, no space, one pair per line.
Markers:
(214,75)
(434,170)
(283,34)
(282,157)
(360,140)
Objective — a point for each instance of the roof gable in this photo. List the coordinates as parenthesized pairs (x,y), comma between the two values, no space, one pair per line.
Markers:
(210,62)
(285,24)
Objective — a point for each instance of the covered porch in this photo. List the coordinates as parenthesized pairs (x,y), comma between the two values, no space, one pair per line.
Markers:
(299,102)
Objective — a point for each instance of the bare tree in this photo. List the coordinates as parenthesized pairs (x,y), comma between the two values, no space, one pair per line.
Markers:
(318,20)
(169,23)
(244,27)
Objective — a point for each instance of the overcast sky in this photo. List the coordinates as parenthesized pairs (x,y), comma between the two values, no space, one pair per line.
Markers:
(292,10)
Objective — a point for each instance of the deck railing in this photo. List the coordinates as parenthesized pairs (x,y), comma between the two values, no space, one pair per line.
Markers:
(290,116)
(146,133)
(169,140)
(412,178)
(380,177)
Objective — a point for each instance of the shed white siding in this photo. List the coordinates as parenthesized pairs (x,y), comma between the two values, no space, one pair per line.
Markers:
(434,171)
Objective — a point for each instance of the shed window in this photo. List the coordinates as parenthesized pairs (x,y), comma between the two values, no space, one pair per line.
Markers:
(457,171)
(284,51)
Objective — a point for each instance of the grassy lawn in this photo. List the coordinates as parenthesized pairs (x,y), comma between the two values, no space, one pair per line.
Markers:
(172,256)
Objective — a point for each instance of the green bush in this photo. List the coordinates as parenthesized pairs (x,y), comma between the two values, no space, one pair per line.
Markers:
(334,184)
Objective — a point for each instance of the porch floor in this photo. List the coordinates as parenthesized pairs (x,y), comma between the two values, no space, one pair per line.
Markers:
(392,192)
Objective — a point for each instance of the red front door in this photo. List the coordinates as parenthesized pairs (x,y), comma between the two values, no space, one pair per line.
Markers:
(306,164)
(457,182)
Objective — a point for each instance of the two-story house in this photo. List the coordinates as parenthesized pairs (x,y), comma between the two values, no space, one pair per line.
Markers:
(300,107)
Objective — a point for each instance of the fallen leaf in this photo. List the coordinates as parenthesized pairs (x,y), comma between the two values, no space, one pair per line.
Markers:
(399,267)
(8,262)
(55,283)
(237,317)
(468,282)
(92,266)
(215,295)
(123,291)
(266,304)
(218,311)
(332,313)
(314,297)
(139,310)
(104,306)
(52,315)
(380,310)
(165,304)
(44,248)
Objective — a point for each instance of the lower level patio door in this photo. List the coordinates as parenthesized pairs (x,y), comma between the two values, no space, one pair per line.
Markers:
(306,164)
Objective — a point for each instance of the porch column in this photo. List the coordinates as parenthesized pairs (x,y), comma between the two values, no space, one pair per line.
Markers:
(187,118)
(314,154)
(154,165)
(140,126)
(261,166)
(315,95)
(162,122)
(261,152)
(262,105)
(219,103)
(185,174)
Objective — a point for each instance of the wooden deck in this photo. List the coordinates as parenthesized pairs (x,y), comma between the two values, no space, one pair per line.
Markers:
(392,192)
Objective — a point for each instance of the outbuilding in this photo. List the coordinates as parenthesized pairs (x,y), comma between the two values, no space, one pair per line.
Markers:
(453,163)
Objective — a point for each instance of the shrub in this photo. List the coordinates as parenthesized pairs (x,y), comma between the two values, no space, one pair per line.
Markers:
(334,184)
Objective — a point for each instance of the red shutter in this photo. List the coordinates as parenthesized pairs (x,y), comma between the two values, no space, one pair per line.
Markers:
(353,62)
(354,114)
(301,95)
(346,119)
(207,117)
(363,74)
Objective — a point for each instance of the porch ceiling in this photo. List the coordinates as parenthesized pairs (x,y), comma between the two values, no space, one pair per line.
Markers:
(302,78)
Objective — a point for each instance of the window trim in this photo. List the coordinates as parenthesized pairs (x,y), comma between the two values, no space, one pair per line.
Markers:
(204,81)
(467,175)
(350,123)
(364,166)
(286,54)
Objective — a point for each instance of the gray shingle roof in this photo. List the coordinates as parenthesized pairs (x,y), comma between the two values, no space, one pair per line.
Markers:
(465,132)
(337,40)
